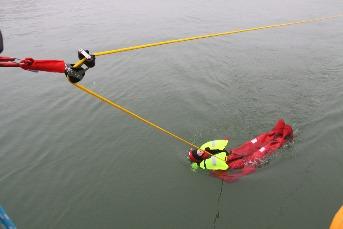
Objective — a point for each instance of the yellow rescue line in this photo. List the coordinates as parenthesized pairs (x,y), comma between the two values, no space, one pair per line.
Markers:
(136,116)
(80,62)
(104,99)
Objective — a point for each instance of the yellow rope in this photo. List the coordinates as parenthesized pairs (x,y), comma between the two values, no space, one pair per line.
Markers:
(136,116)
(102,98)
(80,62)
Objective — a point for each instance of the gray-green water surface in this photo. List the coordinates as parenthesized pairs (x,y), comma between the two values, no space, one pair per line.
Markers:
(69,161)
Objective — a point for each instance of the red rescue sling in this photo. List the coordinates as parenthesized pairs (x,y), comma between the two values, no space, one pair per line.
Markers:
(31,64)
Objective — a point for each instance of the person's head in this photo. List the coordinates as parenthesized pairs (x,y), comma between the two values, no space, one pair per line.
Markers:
(195,155)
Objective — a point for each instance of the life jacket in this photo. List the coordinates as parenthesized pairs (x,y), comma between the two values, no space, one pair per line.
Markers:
(216,162)
(216,147)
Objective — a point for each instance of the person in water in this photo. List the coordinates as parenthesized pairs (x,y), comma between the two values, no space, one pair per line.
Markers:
(217,157)
(211,156)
